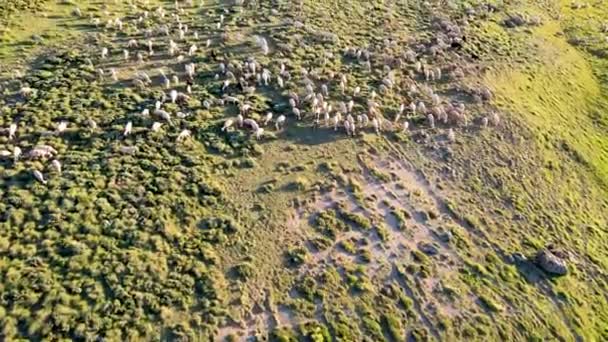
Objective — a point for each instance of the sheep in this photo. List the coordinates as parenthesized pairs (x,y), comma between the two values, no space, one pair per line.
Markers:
(494,119)
(347,127)
(38,175)
(484,122)
(336,120)
(239,120)
(92,124)
(431,120)
(163,115)
(280,122)
(376,125)
(56,165)
(128,149)
(183,135)
(280,82)
(267,118)
(258,133)
(125,54)
(356,91)
(175,80)
(251,123)
(132,43)
(297,113)
(173,95)
(62,126)
(26,92)
(156,126)
(128,129)
(451,136)
(244,109)
(421,107)
(266,76)
(192,50)
(113,74)
(16,153)
(324,90)
(150,48)
(350,106)
(12,130)
(405,126)
(104,53)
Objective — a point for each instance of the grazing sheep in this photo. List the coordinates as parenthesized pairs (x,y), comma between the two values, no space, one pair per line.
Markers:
(61,127)
(431,120)
(92,124)
(38,175)
(451,136)
(297,113)
(12,130)
(484,122)
(280,122)
(421,107)
(494,119)
(258,133)
(356,91)
(405,127)
(347,127)
(128,149)
(350,106)
(376,125)
(128,129)
(156,126)
(163,115)
(173,95)
(56,165)
(16,153)
(251,124)
(125,55)
(26,92)
(184,135)
(267,118)
(104,53)
(239,120)
(192,50)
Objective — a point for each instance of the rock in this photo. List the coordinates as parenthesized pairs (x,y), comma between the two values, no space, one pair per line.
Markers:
(428,248)
(551,263)
(519,258)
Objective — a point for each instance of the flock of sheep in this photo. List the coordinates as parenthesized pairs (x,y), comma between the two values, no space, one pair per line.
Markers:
(329,99)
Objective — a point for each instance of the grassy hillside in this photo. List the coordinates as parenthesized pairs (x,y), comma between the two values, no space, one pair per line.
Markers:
(306,234)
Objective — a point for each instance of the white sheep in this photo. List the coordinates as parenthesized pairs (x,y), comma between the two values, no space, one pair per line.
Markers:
(61,127)
(267,118)
(297,113)
(280,122)
(56,165)
(451,136)
(38,175)
(173,95)
(405,127)
(16,153)
(431,119)
(258,133)
(356,91)
(184,135)
(192,50)
(156,126)
(280,82)
(350,106)
(376,125)
(239,120)
(128,129)
(163,115)
(125,54)
(104,53)
(484,122)
(12,130)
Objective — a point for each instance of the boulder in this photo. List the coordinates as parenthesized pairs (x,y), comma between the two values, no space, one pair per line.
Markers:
(551,263)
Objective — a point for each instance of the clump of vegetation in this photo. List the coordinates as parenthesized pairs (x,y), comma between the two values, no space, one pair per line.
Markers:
(295,257)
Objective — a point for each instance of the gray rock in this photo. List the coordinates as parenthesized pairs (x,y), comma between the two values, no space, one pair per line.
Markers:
(551,263)
(428,248)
